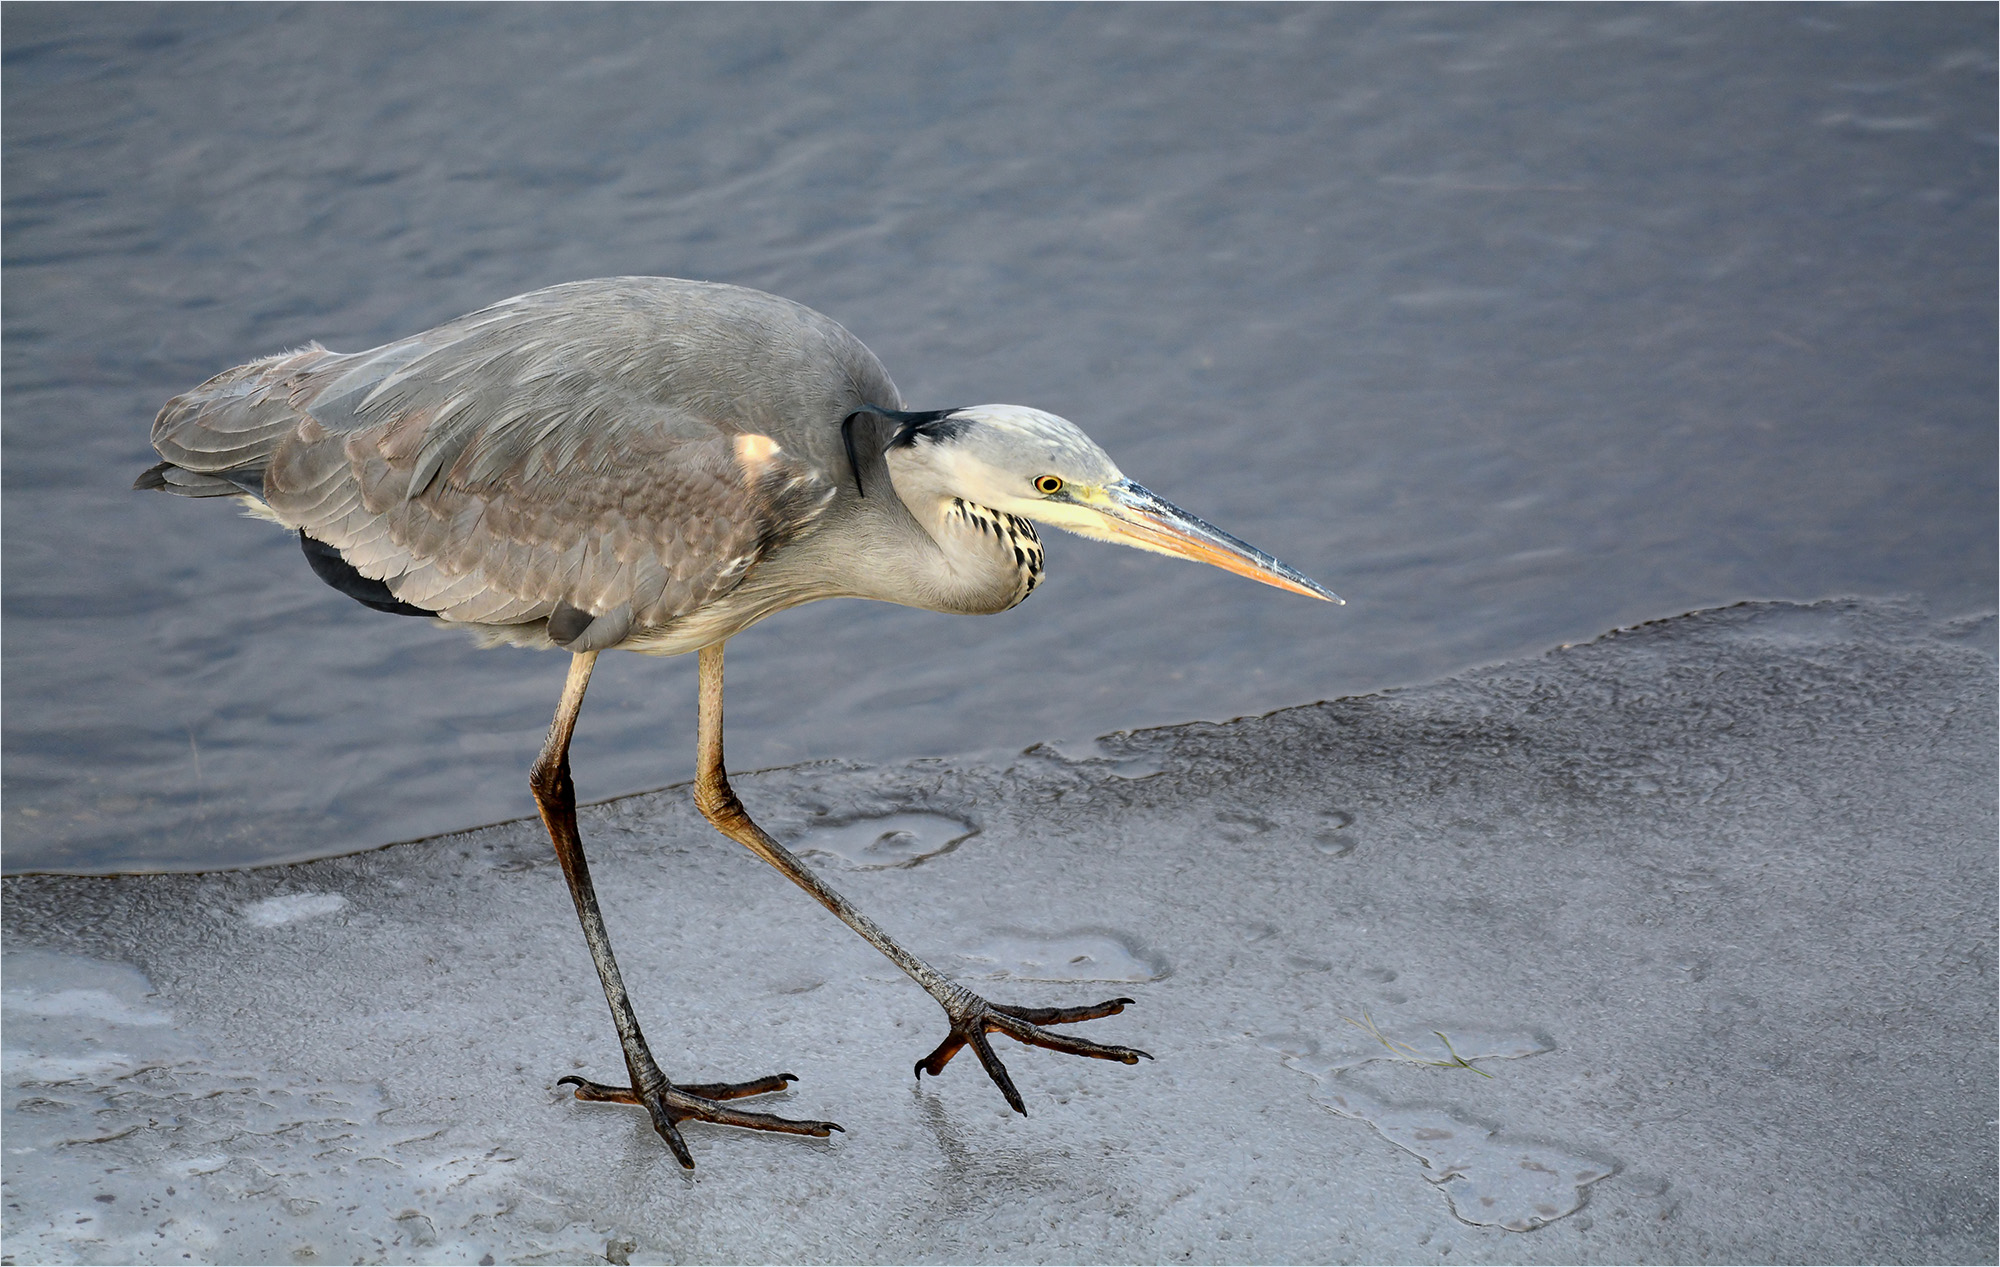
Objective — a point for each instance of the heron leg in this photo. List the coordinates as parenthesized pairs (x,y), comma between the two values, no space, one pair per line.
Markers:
(972,1018)
(668,1104)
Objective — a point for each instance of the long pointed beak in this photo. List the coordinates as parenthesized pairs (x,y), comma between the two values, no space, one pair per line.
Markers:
(1138,516)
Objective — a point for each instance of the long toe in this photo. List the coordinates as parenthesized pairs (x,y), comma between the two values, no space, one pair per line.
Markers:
(673,1104)
(1063,1015)
(685,1107)
(1035,1036)
(588,1090)
(737,1090)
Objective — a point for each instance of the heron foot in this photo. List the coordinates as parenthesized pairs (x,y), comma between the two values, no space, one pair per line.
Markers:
(670,1104)
(971,1024)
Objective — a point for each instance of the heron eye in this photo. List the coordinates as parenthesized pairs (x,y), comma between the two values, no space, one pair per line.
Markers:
(1049,485)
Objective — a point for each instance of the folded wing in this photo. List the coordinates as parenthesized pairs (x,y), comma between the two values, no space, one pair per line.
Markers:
(603,456)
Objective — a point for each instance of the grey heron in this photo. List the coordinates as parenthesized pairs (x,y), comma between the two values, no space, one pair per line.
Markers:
(651,464)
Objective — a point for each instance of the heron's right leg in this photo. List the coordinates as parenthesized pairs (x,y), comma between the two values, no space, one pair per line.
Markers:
(972,1018)
(669,1105)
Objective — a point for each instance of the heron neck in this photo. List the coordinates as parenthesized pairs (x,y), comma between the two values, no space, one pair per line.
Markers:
(985,560)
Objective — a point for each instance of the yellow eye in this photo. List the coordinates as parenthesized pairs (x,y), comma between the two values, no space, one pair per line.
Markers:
(1049,485)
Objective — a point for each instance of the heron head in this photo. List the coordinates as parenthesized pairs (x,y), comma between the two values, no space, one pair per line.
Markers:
(1041,467)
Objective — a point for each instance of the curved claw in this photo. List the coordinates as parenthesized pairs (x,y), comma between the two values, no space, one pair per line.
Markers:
(1024,1025)
(673,1105)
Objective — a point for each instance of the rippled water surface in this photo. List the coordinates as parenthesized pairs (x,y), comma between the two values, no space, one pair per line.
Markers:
(1511,324)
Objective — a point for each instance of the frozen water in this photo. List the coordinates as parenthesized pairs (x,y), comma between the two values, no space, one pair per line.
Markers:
(1711,900)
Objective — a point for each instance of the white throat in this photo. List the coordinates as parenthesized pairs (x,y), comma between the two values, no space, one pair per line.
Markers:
(985,561)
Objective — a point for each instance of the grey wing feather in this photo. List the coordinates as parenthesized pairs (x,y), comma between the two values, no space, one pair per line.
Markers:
(625,449)
(229,425)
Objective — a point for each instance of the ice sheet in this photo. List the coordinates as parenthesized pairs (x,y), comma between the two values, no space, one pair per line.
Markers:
(1710,903)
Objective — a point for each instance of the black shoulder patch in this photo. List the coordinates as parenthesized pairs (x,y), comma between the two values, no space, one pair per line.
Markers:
(328,566)
(933,425)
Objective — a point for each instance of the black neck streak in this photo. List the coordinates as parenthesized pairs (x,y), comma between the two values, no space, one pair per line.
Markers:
(1014,536)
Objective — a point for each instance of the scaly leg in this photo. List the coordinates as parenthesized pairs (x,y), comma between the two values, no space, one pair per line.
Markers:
(669,1105)
(972,1017)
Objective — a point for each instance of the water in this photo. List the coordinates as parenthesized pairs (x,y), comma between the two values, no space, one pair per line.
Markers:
(1511,324)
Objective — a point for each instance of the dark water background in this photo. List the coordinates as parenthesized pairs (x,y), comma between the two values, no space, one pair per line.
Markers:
(1512,324)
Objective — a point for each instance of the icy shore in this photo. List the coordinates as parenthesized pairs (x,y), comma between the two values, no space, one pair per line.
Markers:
(1712,901)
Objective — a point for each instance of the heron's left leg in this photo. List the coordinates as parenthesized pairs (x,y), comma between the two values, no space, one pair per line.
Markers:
(972,1017)
(668,1103)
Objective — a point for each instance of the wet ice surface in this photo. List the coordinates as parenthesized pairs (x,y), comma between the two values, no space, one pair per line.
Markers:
(1710,900)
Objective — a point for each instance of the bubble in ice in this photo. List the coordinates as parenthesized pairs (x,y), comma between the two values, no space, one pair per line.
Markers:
(1335,836)
(878,842)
